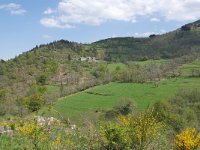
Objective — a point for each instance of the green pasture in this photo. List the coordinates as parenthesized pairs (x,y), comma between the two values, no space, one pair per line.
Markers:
(106,96)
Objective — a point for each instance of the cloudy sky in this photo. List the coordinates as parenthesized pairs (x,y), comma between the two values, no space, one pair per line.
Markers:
(25,24)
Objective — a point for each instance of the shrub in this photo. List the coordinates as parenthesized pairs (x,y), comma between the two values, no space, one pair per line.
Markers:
(35,102)
(42,80)
(114,137)
(146,130)
(188,139)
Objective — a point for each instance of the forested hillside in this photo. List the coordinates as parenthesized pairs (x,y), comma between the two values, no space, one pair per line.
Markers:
(174,44)
(74,66)
(114,94)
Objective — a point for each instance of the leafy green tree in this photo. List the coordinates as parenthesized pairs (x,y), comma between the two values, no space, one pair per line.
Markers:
(185,28)
(51,67)
(100,71)
(35,102)
(69,57)
(42,79)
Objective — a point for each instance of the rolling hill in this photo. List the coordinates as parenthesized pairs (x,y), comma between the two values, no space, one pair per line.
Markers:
(58,63)
(173,44)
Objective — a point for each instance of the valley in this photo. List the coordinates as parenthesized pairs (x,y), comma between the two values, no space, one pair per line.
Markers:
(114,94)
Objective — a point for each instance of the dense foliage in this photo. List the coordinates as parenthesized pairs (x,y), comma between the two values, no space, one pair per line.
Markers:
(150,129)
(174,44)
(36,79)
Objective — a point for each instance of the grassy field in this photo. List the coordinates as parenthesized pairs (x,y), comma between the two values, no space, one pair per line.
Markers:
(113,66)
(107,96)
(142,95)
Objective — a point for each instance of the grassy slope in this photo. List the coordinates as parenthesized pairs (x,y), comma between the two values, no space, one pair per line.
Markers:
(143,95)
(113,66)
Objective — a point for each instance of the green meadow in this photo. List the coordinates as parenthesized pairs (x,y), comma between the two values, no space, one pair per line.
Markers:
(106,96)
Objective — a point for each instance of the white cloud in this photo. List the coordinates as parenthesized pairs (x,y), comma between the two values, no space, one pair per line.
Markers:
(49,11)
(96,12)
(13,8)
(51,22)
(180,10)
(155,20)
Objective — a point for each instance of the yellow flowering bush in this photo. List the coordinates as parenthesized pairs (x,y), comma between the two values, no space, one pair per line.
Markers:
(145,129)
(4,124)
(125,120)
(10,124)
(56,142)
(34,132)
(187,139)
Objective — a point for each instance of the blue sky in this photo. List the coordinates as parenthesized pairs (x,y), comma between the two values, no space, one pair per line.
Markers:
(25,24)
